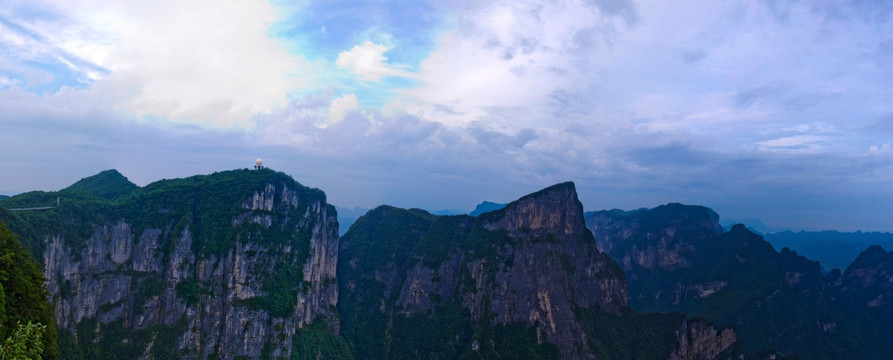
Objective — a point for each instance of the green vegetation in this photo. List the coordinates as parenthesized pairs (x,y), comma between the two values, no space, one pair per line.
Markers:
(109,185)
(318,341)
(776,301)
(23,298)
(72,220)
(281,291)
(442,238)
(206,205)
(211,208)
(631,335)
(385,235)
(115,341)
(25,343)
(387,242)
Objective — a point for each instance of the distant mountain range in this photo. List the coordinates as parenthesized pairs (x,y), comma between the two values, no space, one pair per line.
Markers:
(677,258)
(833,249)
(754,224)
(347,216)
(248,264)
(484,207)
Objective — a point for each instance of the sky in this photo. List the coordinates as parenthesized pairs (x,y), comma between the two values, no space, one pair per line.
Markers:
(776,110)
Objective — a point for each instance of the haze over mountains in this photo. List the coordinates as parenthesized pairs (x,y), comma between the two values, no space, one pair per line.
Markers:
(249,264)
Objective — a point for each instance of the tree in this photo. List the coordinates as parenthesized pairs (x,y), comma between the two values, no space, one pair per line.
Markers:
(25,343)
(24,300)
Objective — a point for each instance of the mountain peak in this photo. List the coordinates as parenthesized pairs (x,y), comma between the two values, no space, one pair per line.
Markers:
(486,206)
(875,254)
(109,184)
(555,209)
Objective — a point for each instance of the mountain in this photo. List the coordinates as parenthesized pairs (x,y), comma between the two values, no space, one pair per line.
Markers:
(3,197)
(524,281)
(347,216)
(109,184)
(229,265)
(833,249)
(865,292)
(677,259)
(484,207)
(248,264)
(753,224)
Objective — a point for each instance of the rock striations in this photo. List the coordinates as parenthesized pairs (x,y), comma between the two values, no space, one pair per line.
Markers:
(526,280)
(779,303)
(224,266)
(248,265)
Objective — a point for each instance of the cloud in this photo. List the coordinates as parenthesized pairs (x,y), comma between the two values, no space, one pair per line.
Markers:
(342,107)
(884,149)
(368,61)
(728,104)
(623,8)
(7,82)
(195,61)
(797,142)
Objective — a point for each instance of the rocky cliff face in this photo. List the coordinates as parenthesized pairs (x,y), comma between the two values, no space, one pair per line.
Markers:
(698,339)
(183,288)
(547,266)
(777,302)
(531,265)
(654,239)
(865,292)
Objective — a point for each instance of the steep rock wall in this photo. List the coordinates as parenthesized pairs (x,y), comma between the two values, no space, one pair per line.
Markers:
(178,293)
(531,264)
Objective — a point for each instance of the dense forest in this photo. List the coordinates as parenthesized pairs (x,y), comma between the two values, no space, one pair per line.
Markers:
(248,264)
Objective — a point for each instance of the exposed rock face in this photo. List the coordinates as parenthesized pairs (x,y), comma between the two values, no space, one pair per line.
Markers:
(650,242)
(655,239)
(872,269)
(676,259)
(555,266)
(865,292)
(228,301)
(698,339)
(532,263)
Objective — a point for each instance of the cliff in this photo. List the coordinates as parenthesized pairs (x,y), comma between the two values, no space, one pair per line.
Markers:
(778,302)
(523,281)
(221,266)
(865,292)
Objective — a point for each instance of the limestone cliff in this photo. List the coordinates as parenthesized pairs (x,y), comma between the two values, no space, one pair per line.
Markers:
(218,266)
(655,239)
(523,281)
(865,292)
(777,302)
(547,266)
(698,339)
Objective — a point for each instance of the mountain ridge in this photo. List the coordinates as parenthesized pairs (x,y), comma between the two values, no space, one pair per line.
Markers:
(195,267)
(140,273)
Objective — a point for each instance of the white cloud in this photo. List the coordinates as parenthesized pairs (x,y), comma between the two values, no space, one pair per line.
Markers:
(7,82)
(504,60)
(884,149)
(796,143)
(514,65)
(202,62)
(368,61)
(342,107)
